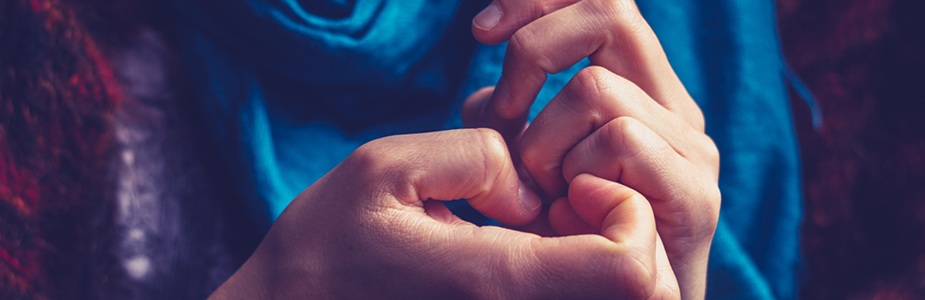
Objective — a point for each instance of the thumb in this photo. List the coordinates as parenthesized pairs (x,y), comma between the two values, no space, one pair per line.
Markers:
(634,261)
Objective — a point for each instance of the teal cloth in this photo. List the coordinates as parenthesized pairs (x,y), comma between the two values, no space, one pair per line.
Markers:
(289,88)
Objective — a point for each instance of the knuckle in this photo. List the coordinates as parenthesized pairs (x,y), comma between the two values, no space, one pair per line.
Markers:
(597,83)
(716,199)
(495,157)
(595,87)
(594,81)
(708,217)
(373,155)
(613,134)
(625,12)
(711,153)
(707,204)
(623,19)
(620,134)
(617,10)
(388,159)
(528,46)
(380,162)
(492,142)
(713,200)
(696,119)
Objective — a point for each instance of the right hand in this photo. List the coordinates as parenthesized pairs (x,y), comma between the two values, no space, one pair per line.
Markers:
(371,228)
(627,119)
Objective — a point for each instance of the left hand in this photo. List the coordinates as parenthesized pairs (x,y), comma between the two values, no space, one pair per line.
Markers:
(627,119)
(373,227)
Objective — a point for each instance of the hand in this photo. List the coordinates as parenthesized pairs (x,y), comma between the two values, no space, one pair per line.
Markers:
(627,119)
(372,228)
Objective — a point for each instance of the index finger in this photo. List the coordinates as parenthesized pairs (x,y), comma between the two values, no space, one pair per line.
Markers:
(471,164)
(612,33)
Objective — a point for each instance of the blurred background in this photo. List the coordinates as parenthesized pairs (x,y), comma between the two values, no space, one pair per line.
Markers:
(864,165)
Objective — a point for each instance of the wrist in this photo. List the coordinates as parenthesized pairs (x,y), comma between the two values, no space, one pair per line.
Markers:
(272,273)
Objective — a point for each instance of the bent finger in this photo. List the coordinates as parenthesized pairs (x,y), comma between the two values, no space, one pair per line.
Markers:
(477,112)
(469,164)
(592,98)
(565,221)
(612,33)
(627,224)
(685,199)
(627,151)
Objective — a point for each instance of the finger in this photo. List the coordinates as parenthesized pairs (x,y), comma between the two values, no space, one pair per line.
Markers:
(621,263)
(498,263)
(438,211)
(626,220)
(477,112)
(500,19)
(592,98)
(567,268)
(469,164)
(540,226)
(474,165)
(686,202)
(565,221)
(610,206)
(596,200)
(627,151)
(612,34)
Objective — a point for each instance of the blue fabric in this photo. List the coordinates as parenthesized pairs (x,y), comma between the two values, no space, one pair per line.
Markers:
(290,88)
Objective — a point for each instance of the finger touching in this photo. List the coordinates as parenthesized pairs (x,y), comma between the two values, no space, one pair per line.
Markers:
(594,97)
(565,221)
(627,151)
(471,164)
(478,112)
(612,33)
(626,224)
(685,199)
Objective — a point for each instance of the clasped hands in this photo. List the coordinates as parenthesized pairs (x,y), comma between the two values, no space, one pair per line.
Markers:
(620,153)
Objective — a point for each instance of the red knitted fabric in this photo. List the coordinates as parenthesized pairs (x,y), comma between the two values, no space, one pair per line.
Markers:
(57,95)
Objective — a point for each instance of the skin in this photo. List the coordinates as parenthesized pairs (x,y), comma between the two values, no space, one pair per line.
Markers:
(620,154)
(627,119)
(373,228)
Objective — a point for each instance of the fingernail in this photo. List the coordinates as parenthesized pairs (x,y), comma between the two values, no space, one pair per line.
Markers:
(501,97)
(529,199)
(488,18)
